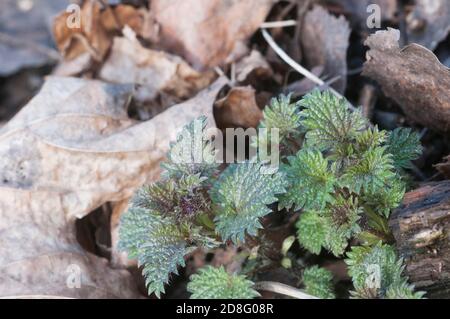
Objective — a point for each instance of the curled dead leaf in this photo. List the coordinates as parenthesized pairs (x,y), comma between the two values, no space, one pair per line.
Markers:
(152,71)
(98,25)
(238,109)
(71,149)
(412,76)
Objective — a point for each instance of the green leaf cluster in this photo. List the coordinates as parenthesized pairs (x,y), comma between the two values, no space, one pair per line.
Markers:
(345,171)
(318,282)
(376,272)
(216,283)
(342,175)
(194,206)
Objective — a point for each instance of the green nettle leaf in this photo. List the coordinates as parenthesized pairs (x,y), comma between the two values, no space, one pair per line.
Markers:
(342,217)
(319,282)
(312,231)
(283,115)
(403,291)
(157,243)
(216,283)
(241,196)
(385,199)
(328,121)
(404,145)
(369,139)
(192,153)
(376,272)
(311,181)
(371,173)
(159,196)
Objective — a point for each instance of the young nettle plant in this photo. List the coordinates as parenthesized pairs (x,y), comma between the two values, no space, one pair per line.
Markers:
(194,205)
(342,174)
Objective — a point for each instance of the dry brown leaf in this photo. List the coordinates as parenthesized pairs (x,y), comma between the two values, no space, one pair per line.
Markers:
(325,40)
(238,109)
(412,76)
(153,71)
(429,23)
(205,32)
(98,27)
(71,149)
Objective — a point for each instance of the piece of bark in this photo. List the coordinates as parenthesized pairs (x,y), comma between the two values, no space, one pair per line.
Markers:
(324,41)
(413,77)
(421,227)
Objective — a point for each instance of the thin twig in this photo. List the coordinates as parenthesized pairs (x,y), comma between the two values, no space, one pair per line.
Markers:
(278,24)
(297,67)
(220,72)
(233,73)
(282,289)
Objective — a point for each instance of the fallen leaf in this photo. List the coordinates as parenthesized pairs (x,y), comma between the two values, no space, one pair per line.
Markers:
(238,109)
(70,150)
(205,32)
(153,71)
(29,44)
(412,76)
(98,26)
(429,22)
(325,40)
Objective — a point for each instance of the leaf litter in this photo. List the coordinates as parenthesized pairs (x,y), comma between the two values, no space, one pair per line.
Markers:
(126,81)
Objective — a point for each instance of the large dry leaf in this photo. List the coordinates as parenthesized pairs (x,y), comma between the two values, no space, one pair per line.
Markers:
(325,40)
(412,76)
(205,32)
(71,149)
(153,71)
(25,37)
(429,22)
